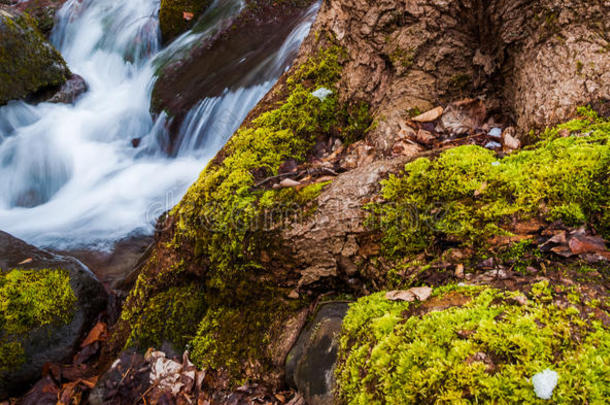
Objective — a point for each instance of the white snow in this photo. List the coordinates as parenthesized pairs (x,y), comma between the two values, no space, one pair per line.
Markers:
(493,145)
(322,93)
(544,383)
(496,132)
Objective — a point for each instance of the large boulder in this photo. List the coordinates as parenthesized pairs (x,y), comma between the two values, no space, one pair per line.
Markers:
(48,303)
(477,344)
(43,12)
(228,56)
(28,63)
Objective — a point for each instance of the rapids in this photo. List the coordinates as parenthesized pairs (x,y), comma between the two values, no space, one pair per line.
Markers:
(70,176)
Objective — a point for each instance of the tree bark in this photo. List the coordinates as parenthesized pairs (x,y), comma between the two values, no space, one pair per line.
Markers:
(533,61)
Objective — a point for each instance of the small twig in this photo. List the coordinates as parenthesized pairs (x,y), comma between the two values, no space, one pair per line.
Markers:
(279,176)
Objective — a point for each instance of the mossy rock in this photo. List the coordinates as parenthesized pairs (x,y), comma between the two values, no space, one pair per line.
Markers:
(474,345)
(43,12)
(28,63)
(468,195)
(221,230)
(177,16)
(48,302)
(171,316)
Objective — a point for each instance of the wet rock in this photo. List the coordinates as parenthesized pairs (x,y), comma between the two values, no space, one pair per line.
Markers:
(50,343)
(310,365)
(43,12)
(28,63)
(70,90)
(177,16)
(217,61)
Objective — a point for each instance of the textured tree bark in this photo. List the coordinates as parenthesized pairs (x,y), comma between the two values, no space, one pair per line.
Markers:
(533,61)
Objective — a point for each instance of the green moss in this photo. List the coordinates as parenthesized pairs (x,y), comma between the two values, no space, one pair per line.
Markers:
(170,316)
(225,197)
(402,57)
(28,63)
(29,300)
(468,195)
(236,335)
(222,228)
(520,254)
(484,348)
(171,16)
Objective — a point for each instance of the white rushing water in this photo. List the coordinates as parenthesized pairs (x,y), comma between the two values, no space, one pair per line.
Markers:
(70,175)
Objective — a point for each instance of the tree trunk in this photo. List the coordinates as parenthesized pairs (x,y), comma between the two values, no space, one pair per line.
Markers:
(534,61)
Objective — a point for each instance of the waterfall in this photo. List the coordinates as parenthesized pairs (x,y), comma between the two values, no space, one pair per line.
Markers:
(70,175)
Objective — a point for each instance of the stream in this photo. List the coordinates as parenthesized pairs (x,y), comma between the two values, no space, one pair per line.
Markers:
(70,175)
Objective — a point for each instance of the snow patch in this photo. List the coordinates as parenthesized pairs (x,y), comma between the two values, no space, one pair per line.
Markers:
(322,93)
(544,383)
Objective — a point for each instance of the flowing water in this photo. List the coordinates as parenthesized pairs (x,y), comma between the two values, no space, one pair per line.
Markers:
(70,176)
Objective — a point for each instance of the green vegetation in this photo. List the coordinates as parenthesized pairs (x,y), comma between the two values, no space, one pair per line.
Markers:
(468,195)
(403,57)
(29,300)
(170,316)
(222,224)
(225,193)
(28,63)
(242,329)
(483,347)
(172,16)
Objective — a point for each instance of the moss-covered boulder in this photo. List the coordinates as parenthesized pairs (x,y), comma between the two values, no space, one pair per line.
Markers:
(224,234)
(468,195)
(47,303)
(28,63)
(42,11)
(177,16)
(475,345)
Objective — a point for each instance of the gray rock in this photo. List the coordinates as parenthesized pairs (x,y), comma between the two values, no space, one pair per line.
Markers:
(52,343)
(29,65)
(71,89)
(310,365)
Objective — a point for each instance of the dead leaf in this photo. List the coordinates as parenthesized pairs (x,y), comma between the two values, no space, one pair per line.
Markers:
(26,261)
(425,137)
(510,141)
(410,295)
(289,183)
(587,244)
(44,392)
(459,271)
(463,116)
(97,333)
(429,116)
(187,15)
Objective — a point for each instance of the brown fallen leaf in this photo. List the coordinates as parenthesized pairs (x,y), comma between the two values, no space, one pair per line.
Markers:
(410,295)
(187,15)
(429,116)
(96,334)
(587,244)
(26,261)
(425,137)
(459,271)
